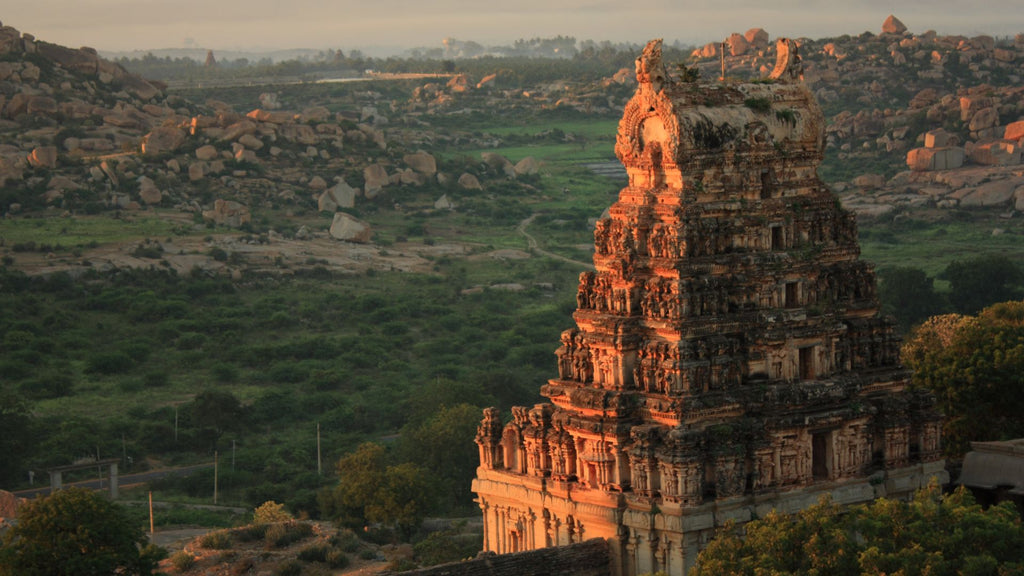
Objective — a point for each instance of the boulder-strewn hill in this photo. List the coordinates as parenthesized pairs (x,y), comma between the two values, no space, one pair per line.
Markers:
(916,121)
(83,135)
(945,107)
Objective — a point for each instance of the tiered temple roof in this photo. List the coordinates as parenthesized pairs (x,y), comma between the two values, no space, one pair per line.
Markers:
(728,355)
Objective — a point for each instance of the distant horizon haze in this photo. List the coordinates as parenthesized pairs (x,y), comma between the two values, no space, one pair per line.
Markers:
(388,27)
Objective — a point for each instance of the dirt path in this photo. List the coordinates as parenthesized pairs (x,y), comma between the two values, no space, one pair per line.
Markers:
(532,244)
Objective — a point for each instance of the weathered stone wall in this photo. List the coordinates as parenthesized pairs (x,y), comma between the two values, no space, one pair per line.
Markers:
(588,558)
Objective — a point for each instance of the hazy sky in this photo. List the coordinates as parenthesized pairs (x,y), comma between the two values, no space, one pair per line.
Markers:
(365,24)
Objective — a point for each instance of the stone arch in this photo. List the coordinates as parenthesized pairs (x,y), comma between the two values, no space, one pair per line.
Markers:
(648,141)
(513,452)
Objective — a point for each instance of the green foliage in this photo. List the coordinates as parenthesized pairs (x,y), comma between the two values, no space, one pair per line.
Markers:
(284,534)
(288,568)
(337,559)
(181,515)
(787,115)
(114,362)
(760,105)
(74,532)
(217,411)
(444,445)
(216,540)
(17,438)
(975,368)
(182,561)
(981,281)
(688,74)
(908,294)
(933,534)
(270,512)
(252,532)
(314,553)
(445,546)
(371,491)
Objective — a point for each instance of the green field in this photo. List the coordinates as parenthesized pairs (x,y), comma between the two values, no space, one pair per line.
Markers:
(81,231)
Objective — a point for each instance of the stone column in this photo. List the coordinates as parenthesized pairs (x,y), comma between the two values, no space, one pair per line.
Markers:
(690,547)
(56,481)
(113,481)
(644,553)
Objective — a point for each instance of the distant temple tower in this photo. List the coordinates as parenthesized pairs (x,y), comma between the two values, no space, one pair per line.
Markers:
(729,357)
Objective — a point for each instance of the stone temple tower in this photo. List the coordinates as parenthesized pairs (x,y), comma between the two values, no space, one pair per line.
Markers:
(729,357)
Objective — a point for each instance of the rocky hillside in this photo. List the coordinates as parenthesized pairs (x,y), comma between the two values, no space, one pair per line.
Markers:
(916,121)
(82,135)
(894,98)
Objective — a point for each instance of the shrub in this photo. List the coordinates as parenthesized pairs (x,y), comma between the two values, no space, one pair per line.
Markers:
(288,568)
(337,559)
(218,254)
(252,532)
(315,553)
(182,561)
(401,565)
(270,512)
(109,363)
(156,379)
(191,341)
(287,533)
(444,546)
(219,540)
(224,372)
(48,385)
(346,540)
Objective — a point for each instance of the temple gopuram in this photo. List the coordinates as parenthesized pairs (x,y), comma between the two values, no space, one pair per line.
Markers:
(728,358)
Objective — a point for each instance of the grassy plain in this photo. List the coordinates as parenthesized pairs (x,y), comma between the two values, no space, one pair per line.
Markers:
(84,230)
(931,246)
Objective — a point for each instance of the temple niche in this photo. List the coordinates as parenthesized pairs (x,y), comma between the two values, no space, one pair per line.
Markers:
(728,356)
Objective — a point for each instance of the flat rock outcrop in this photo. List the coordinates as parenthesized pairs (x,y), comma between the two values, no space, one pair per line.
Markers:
(163,140)
(228,213)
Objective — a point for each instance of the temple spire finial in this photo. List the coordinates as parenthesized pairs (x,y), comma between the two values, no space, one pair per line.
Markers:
(650,69)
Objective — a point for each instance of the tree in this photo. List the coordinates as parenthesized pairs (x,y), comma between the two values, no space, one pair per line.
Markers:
(933,534)
(975,368)
(908,294)
(16,437)
(444,445)
(402,501)
(75,532)
(215,412)
(982,281)
(369,491)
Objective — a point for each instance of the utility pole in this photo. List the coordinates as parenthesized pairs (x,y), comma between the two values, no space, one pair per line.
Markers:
(232,456)
(722,79)
(319,469)
(151,513)
(175,423)
(214,478)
